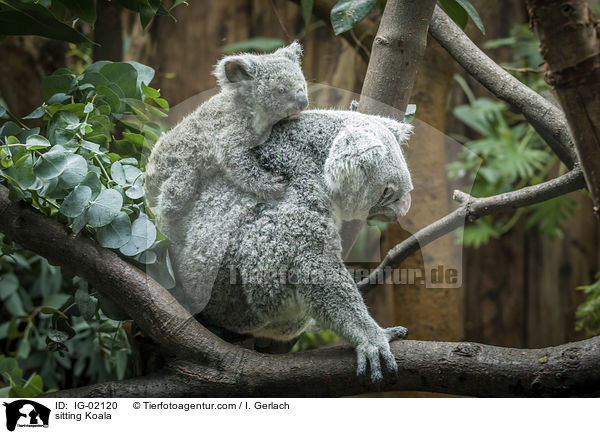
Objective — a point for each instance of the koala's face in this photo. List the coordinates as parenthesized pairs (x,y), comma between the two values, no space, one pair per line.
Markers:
(366,173)
(283,90)
(272,85)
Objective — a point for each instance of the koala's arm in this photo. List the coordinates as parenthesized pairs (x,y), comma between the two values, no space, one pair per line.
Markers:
(172,179)
(243,169)
(334,301)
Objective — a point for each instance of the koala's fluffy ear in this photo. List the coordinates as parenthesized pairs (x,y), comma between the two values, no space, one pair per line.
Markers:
(400,130)
(353,156)
(233,69)
(292,52)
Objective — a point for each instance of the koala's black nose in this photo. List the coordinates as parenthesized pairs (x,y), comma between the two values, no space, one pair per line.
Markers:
(301,100)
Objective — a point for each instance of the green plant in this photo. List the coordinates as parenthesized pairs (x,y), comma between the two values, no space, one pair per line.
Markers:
(84,168)
(509,154)
(57,19)
(587,317)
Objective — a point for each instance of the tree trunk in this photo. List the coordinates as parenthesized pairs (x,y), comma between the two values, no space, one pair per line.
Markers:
(569,37)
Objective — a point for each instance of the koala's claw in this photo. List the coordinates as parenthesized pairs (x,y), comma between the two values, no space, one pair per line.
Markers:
(397,332)
(374,354)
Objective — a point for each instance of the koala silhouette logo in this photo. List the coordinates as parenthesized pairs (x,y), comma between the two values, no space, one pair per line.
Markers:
(26,413)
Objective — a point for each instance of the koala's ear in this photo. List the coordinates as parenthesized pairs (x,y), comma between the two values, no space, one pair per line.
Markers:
(233,69)
(355,153)
(292,52)
(400,130)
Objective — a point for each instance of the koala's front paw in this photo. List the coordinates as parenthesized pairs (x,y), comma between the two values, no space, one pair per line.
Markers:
(374,354)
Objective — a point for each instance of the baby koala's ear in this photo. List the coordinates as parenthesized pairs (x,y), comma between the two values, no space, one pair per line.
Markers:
(233,69)
(292,52)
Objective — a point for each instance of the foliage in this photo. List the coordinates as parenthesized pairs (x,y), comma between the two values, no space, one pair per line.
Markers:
(346,14)
(57,19)
(587,316)
(17,386)
(509,154)
(314,340)
(84,169)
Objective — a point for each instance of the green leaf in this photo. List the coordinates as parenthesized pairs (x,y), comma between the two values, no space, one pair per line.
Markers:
(136,191)
(51,164)
(14,305)
(145,73)
(348,13)
(124,75)
(254,44)
(9,283)
(35,142)
(105,208)
(111,97)
(53,84)
(307,7)
(87,304)
(117,173)
(22,172)
(77,201)
(456,12)
(84,9)
(37,113)
(143,235)
(2,111)
(17,18)
(75,170)
(93,182)
(57,335)
(149,92)
(117,233)
(467,6)
(162,103)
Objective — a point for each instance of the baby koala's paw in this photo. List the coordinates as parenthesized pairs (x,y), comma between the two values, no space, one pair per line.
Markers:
(374,354)
(274,189)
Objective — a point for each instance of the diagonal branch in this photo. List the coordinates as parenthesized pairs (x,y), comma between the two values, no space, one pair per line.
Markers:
(548,120)
(151,306)
(471,209)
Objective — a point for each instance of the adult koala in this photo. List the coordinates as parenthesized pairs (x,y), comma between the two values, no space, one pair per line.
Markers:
(274,267)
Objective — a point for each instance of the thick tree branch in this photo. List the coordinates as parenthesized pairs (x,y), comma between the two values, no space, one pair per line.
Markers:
(397,51)
(445,367)
(569,37)
(151,306)
(471,209)
(203,365)
(548,120)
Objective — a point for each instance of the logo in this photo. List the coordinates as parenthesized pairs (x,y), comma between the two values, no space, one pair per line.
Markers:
(26,413)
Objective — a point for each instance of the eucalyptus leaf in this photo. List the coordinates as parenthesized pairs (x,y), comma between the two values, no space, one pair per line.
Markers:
(77,201)
(348,13)
(105,208)
(117,233)
(143,235)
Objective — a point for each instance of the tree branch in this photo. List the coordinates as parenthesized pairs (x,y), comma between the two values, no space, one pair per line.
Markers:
(471,209)
(445,367)
(151,306)
(548,120)
(203,365)
(397,51)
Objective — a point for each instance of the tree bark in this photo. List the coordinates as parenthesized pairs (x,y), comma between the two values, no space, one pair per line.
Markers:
(397,51)
(444,367)
(569,37)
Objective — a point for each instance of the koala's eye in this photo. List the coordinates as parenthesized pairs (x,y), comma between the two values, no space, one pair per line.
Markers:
(388,192)
(282,90)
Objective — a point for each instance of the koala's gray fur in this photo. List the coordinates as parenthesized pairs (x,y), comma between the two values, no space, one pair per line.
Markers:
(256,92)
(278,264)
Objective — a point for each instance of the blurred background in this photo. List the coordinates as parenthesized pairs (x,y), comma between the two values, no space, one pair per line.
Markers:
(519,271)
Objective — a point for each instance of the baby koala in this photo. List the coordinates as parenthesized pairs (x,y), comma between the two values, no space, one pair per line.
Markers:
(256,91)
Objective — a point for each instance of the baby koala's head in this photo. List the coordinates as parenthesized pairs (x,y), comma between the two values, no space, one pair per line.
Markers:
(272,85)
